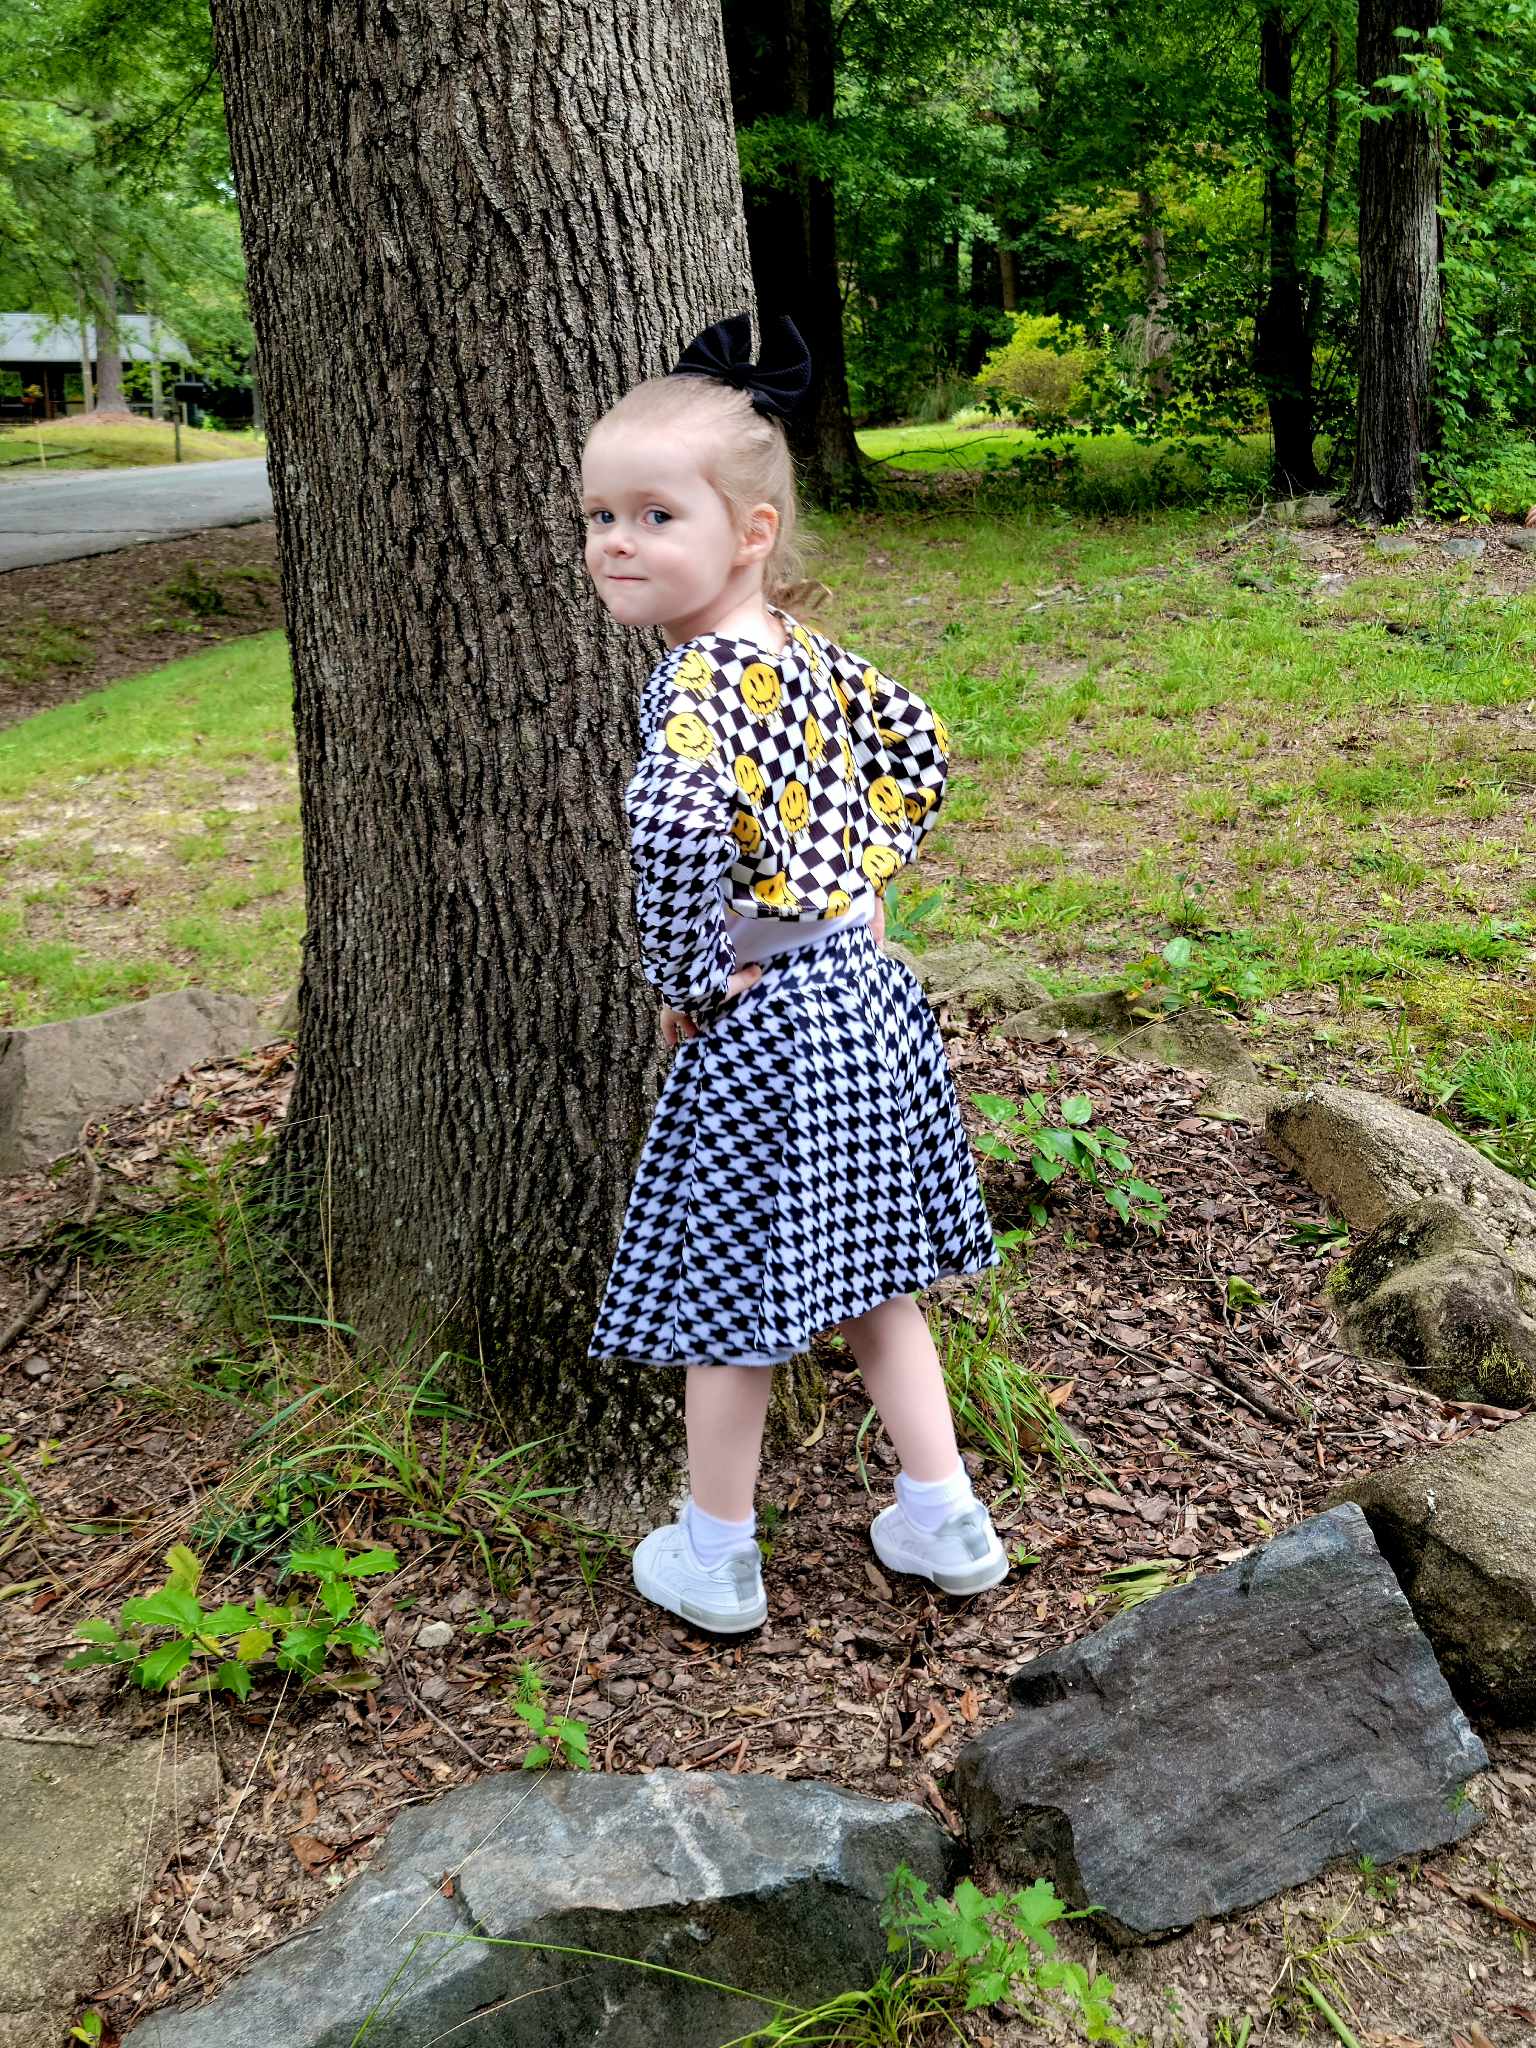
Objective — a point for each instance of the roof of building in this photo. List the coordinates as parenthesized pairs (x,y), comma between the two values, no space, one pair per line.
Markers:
(34,338)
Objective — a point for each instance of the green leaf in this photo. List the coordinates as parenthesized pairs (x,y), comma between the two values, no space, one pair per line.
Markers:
(997,1108)
(991,1146)
(156,1671)
(337,1597)
(97,1632)
(302,1649)
(1240,1294)
(171,1607)
(1120,1202)
(1046,1168)
(536,1758)
(228,1621)
(322,1564)
(235,1678)
(88,1657)
(1076,1109)
(253,1645)
(368,1563)
(186,1568)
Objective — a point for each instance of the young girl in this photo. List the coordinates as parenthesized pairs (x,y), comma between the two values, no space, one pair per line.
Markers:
(807,1168)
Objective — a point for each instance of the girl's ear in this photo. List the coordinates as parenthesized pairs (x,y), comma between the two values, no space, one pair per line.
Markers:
(762,530)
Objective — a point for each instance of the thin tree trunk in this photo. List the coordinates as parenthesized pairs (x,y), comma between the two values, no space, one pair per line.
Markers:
(1008,265)
(783,61)
(1400,306)
(87,358)
(1330,169)
(985,296)
(467,232)
(1158,335)
(1282,356)
(109,346)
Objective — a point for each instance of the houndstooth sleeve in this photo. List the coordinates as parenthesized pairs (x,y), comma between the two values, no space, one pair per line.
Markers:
(680,803)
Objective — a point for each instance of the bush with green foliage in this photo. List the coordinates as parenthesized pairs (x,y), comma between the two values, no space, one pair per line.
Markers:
(1039,373)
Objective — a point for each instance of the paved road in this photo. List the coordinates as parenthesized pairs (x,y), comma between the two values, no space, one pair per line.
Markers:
(94,511)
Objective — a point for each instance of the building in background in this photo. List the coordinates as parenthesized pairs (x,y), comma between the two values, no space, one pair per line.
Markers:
(44,364)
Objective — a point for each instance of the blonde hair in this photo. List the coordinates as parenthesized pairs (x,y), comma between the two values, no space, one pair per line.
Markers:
(746,457)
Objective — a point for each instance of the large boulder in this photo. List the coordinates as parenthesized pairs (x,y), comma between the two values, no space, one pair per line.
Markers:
(54,1076)
(1227,1739)
(1367,1156)
(772,1887)
(83,1820)
(973,976)
(1458,1526)
(1432,1291)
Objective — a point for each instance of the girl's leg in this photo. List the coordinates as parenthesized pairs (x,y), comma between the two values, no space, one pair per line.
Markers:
(906,1383)
(726,1407)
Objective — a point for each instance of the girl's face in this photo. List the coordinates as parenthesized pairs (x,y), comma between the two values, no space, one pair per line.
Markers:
(661,545)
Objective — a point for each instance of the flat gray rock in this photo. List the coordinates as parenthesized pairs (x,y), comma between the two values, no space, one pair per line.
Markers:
(54,1076)
(774,1888)
(1463,547)
(1196,1040)
(1522,539)
(1226,1740)
(82,1821)
(1393,545)
(973,976)
(1458,1527)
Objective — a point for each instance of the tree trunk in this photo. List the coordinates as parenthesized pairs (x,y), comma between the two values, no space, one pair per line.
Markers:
(109,345)
(1399,238)
(1282,356)
(467,233)
(986,297)
(783,61)
(87,379)
(1157,345)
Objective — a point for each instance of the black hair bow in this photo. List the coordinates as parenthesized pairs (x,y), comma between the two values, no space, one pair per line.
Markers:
(776,385)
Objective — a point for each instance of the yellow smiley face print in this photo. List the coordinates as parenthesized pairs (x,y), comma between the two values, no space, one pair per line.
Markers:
(879,863)
(794,807)
(841,695)
(760,689)
(849,770)
(891,737)
(695,672)
(838,900)
(815,740)
(871,681)
(918,807)
(804,642)
(746,832)
(689,736)
(776,893)
(941,733)
(749,778)
(885,801)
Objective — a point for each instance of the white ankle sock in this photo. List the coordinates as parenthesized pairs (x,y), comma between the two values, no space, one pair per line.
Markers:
(710,1539)
(929,1503)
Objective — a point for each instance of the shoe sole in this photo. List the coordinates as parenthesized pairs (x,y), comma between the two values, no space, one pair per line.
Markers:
(987,1571)
(737,1622)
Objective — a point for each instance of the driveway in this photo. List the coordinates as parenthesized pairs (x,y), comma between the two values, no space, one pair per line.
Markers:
(93,511)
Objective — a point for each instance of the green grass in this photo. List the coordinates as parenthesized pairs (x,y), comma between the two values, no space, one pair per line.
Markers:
(78,444)
(153,838)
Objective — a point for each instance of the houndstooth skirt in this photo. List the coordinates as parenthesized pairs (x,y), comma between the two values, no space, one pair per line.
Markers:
(805,1163)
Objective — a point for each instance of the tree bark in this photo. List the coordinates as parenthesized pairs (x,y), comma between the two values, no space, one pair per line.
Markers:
(783,61)
(468,230)
(109,345)
(986,298)
(1282,356)
(1399,239)
(1157,344)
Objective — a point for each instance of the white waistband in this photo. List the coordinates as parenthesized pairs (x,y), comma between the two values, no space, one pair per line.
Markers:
(764,938)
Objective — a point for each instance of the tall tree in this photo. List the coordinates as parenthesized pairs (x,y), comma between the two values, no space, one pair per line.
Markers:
(1399,237)
(1283,341)
(466,234)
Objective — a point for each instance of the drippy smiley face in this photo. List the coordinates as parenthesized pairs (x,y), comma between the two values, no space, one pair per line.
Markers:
(838,900)
(689,736)
(761,691)
(794,807)
(746,832)
(776,893)
(696,673)
(879,864)
(815,740)
(749,778)
(885,801)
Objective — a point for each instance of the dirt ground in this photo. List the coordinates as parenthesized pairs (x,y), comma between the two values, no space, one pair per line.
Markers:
(68,628)
(1209,1430)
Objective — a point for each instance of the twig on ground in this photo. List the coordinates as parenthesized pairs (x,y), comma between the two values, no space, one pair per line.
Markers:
(436,1719)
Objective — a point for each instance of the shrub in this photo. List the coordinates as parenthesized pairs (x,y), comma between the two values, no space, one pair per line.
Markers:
(1039,371)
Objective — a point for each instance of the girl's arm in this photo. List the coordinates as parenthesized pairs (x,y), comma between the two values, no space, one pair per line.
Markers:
(680,804)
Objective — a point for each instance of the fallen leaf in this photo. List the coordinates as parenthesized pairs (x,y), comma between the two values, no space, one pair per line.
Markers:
(818,1432)
(878,1581)
(446,1887)
(309,1807)
(936,1734)
(970,1706)
(1060,1395)
(311,1852)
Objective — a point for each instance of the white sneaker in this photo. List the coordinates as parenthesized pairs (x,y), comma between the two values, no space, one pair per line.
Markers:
(728,1598)
(963,1555)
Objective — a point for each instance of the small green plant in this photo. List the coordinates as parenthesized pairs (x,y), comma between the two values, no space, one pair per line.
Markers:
(1380,1884)
(1127,1585)
(1222,977)
(1000,1406)
(293,1505)
(486,1624)
(194,593)
(1324,1238)
(1231,2033)
(87,2028)
(18,1503)
(906,912)
(557,1738)
(1022,1133)
(208,1650)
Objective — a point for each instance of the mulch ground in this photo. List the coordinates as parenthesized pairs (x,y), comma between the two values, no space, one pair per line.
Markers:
(1209,1429)
(118,618)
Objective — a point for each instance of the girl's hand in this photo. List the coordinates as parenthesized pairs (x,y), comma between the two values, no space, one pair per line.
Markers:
(877,922)
(676,1025)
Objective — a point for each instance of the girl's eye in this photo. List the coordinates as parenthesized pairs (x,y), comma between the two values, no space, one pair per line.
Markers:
(657,513)
(597,518)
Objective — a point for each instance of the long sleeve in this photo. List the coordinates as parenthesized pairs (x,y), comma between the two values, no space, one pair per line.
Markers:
(680,803)
(902,747)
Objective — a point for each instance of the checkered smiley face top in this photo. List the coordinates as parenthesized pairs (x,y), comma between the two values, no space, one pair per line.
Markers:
(802,781)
